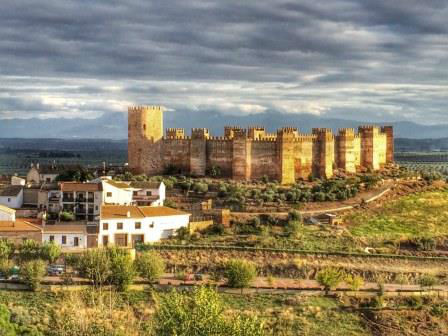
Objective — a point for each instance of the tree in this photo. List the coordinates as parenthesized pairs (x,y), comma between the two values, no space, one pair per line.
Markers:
(67,216)
(295,215)
(150,265)
(293,228)
(200,313)
(50,252)
(122,271)
(240,273)
(29,250)
(32,273)
(6,249)
(95,265)
(329,278)
(6,266)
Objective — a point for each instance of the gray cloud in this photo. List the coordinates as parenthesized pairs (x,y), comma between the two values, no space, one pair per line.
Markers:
(368,60)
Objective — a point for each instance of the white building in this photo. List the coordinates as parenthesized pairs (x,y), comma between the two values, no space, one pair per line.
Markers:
(17,181)
(42,174)
(128,225)
(7,214)
(82,199)
(116,193)
(66,235)
(148,193)
(12,197)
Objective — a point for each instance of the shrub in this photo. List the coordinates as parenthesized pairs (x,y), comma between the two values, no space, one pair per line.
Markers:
(200,187)
(427,281)
(240,273)
(182,233)
(6,249)
(67,216)
(295,215)
(354,281)
(150,265)
(200,313)
(6,266)
(32,273)
(95,265)
(122,271)
(29,250)
(50,251)
(329,278)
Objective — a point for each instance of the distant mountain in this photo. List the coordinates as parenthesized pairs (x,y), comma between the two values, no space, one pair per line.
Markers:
(114,125)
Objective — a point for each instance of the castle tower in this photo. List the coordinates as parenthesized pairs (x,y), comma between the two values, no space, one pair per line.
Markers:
(345,150)
(198,148)
(323,153)
(145,132)
(241,154)
(286,138)
(390,148)
(370,155)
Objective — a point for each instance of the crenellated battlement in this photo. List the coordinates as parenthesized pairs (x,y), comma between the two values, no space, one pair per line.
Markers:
(251,152)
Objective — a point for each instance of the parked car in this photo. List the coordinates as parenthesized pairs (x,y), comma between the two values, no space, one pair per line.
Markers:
(55,270)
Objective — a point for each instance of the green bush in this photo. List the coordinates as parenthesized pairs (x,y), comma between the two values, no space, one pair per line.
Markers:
(201,313)
(150,266)
(122,271)
(95,265)
(67,216)
(32,273)
(355,282)
(29,250)
(6,249)
(330,278)
(6,266)
(240,273)
(427,281)
(50,251)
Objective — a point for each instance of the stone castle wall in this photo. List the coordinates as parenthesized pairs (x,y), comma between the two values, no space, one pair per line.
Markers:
(245,154)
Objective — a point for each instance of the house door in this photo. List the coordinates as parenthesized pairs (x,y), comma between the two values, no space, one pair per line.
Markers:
(92,241)
(76,241)
(121,240)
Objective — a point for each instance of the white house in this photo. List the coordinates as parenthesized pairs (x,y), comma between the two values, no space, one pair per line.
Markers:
(115,192)
(17,181)
(12,196)
(82,199)
(66,235)
(128,225)
(40,174)
(7,214)
(148,193)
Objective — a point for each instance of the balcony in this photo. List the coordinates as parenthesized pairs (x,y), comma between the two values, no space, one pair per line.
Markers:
(68,200)
(54,199)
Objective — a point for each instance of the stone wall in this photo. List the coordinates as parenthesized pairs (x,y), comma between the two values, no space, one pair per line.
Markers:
(251,154)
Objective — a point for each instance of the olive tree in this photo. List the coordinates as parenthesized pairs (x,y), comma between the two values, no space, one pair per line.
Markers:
(240,273)
(150,265)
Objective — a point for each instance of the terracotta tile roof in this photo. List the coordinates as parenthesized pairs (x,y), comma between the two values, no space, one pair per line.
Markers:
(19,225)
(161,211)
(64,228)
(121,212)
(145,185)
(79,186)
(7,210)
(118,184)
(12,191)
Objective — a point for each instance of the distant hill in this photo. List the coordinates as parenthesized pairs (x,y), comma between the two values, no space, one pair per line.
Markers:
(114,125)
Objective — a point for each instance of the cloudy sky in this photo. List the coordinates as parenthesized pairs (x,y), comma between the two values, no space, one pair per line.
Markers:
(369,60)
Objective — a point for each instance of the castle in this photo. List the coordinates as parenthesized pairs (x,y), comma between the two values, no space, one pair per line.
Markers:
(245,154)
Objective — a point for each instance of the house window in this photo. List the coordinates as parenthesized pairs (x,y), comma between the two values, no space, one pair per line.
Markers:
(48,179)
(135,193)
(120,226)
(76,241)
(51,238)
(109,194)
(64,240)
(138,225)
(96,207)
(105,226)
(105,240)
(9,200)
(148,193)
(151,225)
